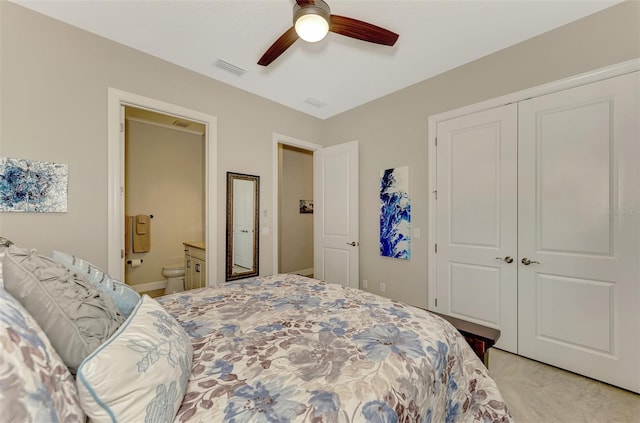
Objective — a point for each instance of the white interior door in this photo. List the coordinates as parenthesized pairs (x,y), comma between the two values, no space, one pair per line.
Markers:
(579,217)
(476,220)
(336,230)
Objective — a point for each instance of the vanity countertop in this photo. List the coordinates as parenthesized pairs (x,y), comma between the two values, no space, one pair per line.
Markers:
(195,244)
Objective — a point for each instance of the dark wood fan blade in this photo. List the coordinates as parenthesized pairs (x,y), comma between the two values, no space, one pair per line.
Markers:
(362,30)
(279,47)
(302,3)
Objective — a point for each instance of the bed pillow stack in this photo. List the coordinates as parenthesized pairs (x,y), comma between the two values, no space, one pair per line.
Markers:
(75,316)
(54,321)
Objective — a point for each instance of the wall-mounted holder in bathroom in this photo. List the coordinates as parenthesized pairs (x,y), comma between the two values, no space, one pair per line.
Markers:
(135,263)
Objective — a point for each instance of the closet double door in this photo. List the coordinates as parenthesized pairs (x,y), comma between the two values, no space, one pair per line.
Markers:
(538,227)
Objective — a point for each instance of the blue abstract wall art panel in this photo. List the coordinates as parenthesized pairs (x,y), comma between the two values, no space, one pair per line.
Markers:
(395,213)
(33,186)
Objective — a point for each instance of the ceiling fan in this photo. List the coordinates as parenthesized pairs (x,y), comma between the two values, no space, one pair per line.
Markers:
(312,19)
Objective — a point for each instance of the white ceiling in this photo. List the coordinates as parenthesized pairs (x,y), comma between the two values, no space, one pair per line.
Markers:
(435,36)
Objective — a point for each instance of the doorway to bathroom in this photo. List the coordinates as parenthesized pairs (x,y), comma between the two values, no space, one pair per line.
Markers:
(118,100)
(164,184)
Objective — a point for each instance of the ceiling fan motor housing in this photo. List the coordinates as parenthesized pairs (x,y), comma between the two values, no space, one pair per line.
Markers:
(318,7)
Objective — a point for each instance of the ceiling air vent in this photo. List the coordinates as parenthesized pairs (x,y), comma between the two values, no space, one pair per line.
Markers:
(229,67)
(315,102)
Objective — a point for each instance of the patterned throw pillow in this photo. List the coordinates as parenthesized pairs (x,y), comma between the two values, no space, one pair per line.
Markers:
(141,373)
(35,385)
(76,317)
(123,296)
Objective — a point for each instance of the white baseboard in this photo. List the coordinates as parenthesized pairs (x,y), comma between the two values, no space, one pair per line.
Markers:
(150,286)
(303,272)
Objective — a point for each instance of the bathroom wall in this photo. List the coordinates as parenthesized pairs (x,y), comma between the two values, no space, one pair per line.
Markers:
(164,177)
(296,229)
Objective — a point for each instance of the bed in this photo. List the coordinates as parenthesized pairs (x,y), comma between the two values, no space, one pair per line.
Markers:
(290,348)
(282,348)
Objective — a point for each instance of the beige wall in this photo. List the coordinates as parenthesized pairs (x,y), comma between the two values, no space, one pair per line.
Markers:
(53,104)
(393,130)
(296,229)
(53,107)
(164,176)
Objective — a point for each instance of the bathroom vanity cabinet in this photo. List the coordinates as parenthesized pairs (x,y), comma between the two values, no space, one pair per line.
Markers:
(195,265)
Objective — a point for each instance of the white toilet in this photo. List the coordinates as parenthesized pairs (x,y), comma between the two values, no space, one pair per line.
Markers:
(175,278)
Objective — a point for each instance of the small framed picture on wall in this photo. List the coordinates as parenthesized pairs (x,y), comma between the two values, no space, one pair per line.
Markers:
(306,206)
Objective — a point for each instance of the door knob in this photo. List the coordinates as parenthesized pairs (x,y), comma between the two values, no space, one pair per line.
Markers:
(353,243)
(508,259)
(527,262)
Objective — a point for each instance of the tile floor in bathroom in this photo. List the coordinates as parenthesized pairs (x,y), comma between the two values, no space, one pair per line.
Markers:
(537,393)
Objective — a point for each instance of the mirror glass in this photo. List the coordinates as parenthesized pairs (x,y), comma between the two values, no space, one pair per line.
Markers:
(242,225)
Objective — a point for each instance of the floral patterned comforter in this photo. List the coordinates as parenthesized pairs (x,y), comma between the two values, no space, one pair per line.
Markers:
(287,348)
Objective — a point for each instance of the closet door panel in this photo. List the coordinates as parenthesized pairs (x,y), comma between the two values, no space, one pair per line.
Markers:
(579,217)
(476,223)
(575,178)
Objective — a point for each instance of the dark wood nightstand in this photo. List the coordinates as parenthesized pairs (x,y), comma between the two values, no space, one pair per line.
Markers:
(479,337)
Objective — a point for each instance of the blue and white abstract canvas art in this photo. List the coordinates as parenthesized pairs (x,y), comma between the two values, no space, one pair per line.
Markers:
(33,186)
(395,213)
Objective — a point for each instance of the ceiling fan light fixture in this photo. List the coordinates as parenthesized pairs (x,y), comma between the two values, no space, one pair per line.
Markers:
(312,21)
(312,28)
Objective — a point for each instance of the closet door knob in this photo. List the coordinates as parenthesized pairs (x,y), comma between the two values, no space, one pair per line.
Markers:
(507,259)
(527,262)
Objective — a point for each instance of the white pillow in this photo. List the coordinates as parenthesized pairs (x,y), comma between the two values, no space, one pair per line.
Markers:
(141,372)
